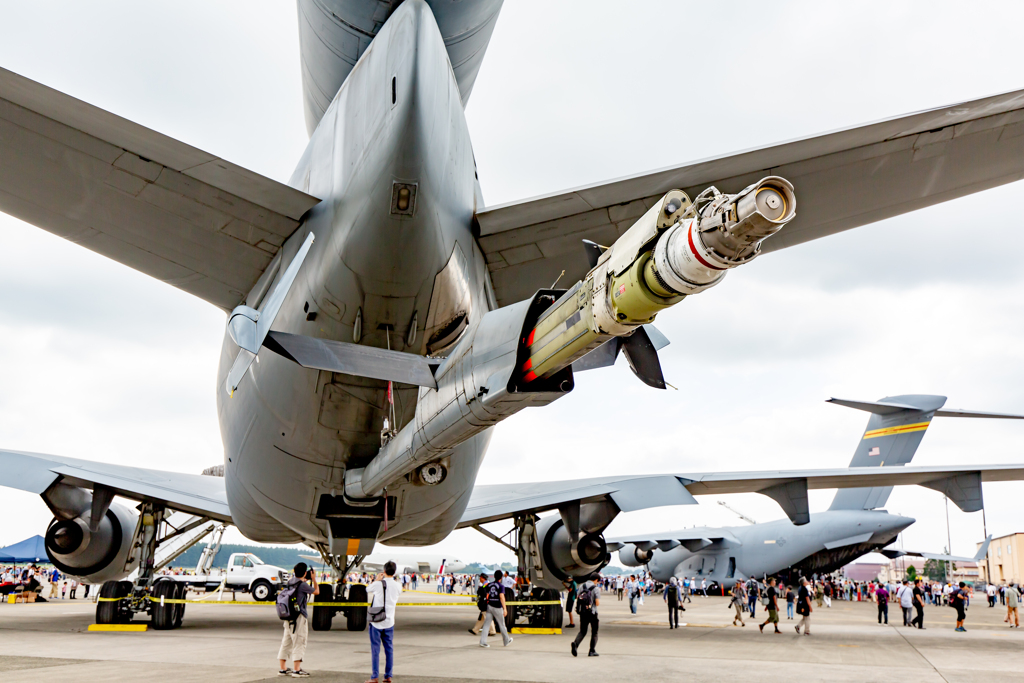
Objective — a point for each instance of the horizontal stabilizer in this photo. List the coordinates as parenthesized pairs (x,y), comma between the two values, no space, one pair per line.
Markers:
(892,554)
(953,412)
(354,359)
(892,407)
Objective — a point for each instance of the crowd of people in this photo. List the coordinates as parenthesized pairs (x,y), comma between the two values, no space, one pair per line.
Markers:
(31,582)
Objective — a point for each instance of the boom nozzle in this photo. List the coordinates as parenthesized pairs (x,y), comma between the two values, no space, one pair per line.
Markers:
(676,249)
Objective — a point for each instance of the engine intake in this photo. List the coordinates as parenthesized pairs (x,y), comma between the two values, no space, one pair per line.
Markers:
(94,556)
(631,556)
(561,559)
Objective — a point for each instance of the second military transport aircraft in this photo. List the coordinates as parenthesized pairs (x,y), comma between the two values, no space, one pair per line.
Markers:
(396,319)
(852,526)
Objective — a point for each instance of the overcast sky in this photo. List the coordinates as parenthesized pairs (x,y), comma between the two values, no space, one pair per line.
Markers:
(98,361)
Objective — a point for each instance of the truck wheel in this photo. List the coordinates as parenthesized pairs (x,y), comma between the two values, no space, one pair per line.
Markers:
(162,615)
(179,610)
(262,590)
(355,617)
(108,609)
(321,617)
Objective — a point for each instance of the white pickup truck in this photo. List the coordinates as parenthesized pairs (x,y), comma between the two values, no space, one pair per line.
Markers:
(245,572)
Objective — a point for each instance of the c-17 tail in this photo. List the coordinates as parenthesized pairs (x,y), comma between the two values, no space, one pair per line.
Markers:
(893,434)
(893,553)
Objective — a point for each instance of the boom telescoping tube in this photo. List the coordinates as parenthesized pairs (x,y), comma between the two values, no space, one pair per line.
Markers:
(676,249)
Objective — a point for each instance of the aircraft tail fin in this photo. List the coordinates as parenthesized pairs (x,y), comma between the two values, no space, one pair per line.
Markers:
(893,434)
(983,550)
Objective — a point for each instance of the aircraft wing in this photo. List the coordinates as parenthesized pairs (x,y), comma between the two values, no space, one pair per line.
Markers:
(490,503)
(192,493)
(696,537)
(139,197)
(843,180)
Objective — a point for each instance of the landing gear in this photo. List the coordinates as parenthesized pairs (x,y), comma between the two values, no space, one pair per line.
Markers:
(163,615)
(110,608)
(323,616)
(356,616)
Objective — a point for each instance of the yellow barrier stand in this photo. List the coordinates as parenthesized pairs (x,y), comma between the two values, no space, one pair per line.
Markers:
(528,630)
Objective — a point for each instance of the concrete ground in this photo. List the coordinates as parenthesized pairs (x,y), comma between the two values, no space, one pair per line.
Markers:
(229,644)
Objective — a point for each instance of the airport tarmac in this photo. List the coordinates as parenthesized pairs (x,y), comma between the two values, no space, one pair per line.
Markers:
(235,644)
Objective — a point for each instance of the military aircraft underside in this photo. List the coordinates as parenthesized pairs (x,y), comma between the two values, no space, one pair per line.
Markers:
(380,319)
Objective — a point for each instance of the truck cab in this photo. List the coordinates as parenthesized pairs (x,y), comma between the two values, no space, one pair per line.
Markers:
(249,573)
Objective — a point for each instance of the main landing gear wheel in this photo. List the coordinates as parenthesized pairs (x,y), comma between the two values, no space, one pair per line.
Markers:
(551,614)
(262,591)
(356,616)
(110,611)
(510,617)
(180,593)
(163,615)
(322,616)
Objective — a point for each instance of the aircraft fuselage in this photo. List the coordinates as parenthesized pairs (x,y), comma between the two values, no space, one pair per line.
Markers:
(394,264)
(831,539)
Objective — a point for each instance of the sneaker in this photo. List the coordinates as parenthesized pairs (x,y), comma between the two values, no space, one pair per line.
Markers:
(571,626)
(510,639)
(300,673)
(283,672)
(593,654)
(761,626)
(484,645)
(797,630)
(572,646)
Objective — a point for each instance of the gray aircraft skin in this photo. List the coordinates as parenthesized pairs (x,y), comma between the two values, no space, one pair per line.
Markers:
(379,262)
(850,528)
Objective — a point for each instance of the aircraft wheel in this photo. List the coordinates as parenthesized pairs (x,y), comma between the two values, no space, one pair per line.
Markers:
(262,591)
(510,618)
(162,615)
(179,609)
(110,611)
(552,613)
(356,616)
(321,617)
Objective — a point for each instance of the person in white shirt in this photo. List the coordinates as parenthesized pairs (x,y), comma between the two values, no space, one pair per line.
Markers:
(383,592)
(906,597)
(508,581)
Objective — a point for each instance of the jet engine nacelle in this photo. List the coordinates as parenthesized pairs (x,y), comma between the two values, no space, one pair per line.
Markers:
(631,556)
(94,556)
(561,559)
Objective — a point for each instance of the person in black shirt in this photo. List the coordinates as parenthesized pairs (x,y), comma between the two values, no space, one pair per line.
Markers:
(772,604)
(803,607)
(959,602)
(481,604)
(918,604)
(673,601)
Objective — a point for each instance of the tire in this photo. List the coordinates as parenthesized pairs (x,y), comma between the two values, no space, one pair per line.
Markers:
(262,591)
(108,612)
(321,617)
(162,615)
(552,613)
(179,610)
(355,617)
(510,618)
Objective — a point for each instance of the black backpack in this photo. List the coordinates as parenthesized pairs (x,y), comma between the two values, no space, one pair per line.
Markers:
(672,592)
(584,600)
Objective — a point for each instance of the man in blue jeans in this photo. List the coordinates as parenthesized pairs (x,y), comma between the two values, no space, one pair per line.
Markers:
(383,592)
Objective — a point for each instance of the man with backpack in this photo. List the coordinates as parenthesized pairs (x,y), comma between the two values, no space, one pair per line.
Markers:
(588,597)
(673,601)
(803,606)
(496,610)
(481,604)
(291,608)
(383,596)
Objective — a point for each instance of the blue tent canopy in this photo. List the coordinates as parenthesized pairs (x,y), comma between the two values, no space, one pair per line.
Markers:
(30,550)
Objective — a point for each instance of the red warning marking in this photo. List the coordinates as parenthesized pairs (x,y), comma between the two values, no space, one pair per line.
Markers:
(693,248)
